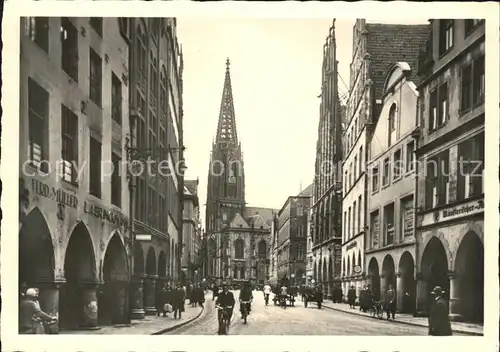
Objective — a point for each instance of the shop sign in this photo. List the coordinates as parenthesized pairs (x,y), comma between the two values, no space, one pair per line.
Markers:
(56,194)
(101,213)
(467,209)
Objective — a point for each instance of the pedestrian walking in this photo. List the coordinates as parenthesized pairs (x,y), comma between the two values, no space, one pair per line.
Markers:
(215,292)
(161,300)
(319,296)
(178,300)
(439,321)
(351,297)
(390,302)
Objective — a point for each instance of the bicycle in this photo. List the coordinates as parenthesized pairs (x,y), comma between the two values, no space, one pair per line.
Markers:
(244,310)
(224,320)
(377,309)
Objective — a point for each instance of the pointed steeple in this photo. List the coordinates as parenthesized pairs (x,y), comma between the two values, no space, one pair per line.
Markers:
(226,128)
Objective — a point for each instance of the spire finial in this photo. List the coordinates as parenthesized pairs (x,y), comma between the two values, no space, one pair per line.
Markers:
(227,64)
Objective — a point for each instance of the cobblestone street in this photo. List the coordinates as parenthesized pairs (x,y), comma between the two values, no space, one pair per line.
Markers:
(298,320)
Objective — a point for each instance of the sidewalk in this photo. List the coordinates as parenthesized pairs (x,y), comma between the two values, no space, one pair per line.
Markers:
(150,325)
(464,328)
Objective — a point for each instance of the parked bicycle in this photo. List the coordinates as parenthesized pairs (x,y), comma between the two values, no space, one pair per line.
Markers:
(377,309)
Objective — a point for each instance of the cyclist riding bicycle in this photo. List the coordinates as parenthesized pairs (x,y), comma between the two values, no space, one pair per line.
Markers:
(225,300)
(267,291)
(246,295)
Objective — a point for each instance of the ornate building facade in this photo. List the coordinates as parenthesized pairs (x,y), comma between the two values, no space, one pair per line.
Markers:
(75,240)
(450,154)
(327,198)
(238,237)
(373,56)
(156,116)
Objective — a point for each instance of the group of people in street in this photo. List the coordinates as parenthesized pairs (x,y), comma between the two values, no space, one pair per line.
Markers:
(172,300)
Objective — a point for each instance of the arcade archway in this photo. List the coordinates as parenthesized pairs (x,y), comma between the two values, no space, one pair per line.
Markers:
(469,268)
(407,272)
(113,294)
(78,296)
(138,260)
(434,267)
(389,273)
(36,252)
(373,274)
(150,282)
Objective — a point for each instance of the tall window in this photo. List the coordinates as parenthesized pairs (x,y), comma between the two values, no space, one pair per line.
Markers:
(389,224)
(96,23)
(95,85)
(438,113)
(116,186)
(95,167)
(436,185)
(398,166)
(38,118)
(262,250)
(355,172)
(69,150)
(153,76)
(239,249)
(392,125)
(116,99)
(445,35)
(410,157)
(69,48)
(406,217)
(300,252)
(360,207)
(354,229)
(349,229)
(360,159)
(163,91)
(345,227)
(142,56)
(387,173)
(470,167)
(478,81)
(375,181)
(37,28)
(375,229)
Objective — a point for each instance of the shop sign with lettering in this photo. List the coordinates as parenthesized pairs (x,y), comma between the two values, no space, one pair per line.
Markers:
(467,209)
(101,213)
(56,194)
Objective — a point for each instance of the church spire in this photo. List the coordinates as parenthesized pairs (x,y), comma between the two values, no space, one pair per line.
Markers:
(226,128)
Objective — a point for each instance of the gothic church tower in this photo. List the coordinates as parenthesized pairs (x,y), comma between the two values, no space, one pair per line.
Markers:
(226,179)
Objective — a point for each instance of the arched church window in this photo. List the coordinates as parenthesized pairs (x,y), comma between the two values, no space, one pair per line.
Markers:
(239,249)
(262,249)
(242,273)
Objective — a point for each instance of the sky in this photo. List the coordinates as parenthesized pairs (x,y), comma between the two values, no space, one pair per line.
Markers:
(276,79)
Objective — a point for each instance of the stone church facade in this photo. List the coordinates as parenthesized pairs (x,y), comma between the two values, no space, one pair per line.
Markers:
(239,237)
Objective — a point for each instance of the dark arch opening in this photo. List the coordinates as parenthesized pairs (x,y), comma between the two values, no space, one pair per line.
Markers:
(315,272)
(407,270)
(138,260)
(389,272)
(79,269)
(374,282)
(151,262)
(262,249)
(36,252)
(113,292)
(325,272)
(162,264)
(434,268)
(469,268)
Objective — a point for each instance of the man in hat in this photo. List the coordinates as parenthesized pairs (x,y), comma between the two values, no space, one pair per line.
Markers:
(30,313)
(439,321)
(225,299)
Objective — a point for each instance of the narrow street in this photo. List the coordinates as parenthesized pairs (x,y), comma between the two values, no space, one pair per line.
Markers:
(298,320)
